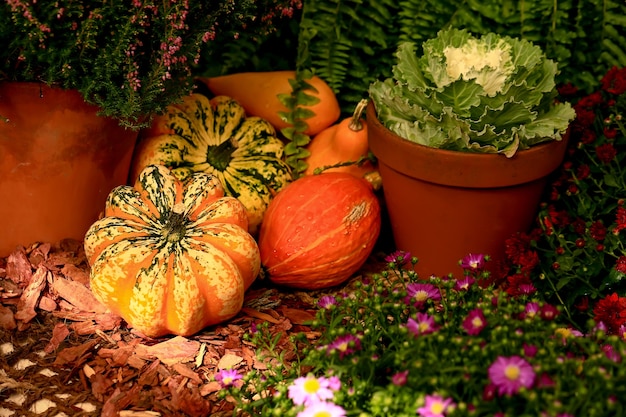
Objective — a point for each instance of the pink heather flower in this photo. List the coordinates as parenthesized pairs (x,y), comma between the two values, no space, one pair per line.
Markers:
(423,324)
(473,262)
(345,345)
(464,283)
(435,406)
(400,378)
(509,374)
(398,257)
(309,390)
(475,322)
(322,409)
(227,377)
(327,301)
(421,293)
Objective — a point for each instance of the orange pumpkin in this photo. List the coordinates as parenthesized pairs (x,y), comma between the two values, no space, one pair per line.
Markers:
(319,230)
(171,256)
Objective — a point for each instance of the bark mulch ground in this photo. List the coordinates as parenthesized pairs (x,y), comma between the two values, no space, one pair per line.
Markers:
(63,354)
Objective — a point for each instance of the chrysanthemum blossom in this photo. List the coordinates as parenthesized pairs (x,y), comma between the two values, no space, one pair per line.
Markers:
(322,409)
(308,390)
(473,262)
(435,406)
(509,374)
(422,324)
(345,345)
(227,377)
(400,378)
(475,322)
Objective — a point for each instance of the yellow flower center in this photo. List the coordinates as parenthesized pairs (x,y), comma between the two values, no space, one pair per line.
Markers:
(563,332)
(437,408)
(477,322)
(421,295)
(512,372)
(311,385)
(423,326)
(322,414)
(343,347)
(227,380)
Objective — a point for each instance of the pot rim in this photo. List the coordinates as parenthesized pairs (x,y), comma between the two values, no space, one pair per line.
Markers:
(461,169)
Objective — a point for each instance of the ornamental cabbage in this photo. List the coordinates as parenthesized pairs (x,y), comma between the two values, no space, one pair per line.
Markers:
(491,94)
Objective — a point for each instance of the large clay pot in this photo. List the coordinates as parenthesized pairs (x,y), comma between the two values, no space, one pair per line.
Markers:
(58,163)
(444,205)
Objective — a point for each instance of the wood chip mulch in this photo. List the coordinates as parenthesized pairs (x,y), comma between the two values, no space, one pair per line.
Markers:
(63,354)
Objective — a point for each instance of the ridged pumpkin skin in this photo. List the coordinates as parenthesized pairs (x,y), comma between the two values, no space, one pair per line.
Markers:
(216,137)
(172,257)
(319,230)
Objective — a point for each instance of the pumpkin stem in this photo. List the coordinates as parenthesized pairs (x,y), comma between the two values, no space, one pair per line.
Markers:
(174,229)
(355,121)
(220,155)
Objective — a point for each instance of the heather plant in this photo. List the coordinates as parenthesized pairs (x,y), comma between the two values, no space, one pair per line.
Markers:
(398,345)
(130,57)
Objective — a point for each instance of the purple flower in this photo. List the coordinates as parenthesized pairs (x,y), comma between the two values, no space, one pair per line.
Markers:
(399,257)
(611,353)
(531,310)
(227,377)
(327,301)
(423,324)
(509,374)
(473,262)
(435,406)
(345,345)
(475,322)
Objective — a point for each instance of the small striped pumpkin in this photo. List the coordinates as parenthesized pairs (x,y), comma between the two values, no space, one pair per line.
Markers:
(216,137)
(319,230)
(171,257)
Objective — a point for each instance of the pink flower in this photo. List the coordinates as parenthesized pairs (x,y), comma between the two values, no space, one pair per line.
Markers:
(309,390)
(509,374)
(473,262)
(422,293)
(475,322)
(227,377)
(322,409)
(327,301)
(423,324)
(345,345)
(400,378)
(398,257)
(435,406)
(464,283)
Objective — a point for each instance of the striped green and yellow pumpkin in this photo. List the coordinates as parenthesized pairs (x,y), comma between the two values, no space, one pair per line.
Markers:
(171,257)
(216,137)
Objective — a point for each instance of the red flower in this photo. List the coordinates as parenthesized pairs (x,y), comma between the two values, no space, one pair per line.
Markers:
(583,172)
(614,81)
(620,220)
(597,230)
(620,264)
(516,246)
(610,133)
(579,226)
(520,284)
(611,311)
(588,136)
(606,153)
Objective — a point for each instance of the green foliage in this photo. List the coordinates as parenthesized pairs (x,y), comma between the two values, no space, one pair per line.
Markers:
(350,43)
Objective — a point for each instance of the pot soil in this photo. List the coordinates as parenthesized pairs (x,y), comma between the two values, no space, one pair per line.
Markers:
(443,205)
(58,162)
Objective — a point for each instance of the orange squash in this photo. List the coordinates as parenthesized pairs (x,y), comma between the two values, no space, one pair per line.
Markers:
(319,230)
(341,146)
(258,93)
(171,256)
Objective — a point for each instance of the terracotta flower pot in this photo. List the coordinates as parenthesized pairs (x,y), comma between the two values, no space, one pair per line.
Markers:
(58,163)
(444,205)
